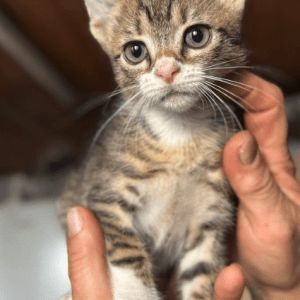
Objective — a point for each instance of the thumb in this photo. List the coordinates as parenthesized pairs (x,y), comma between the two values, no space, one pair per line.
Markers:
(86,255)
(230,283)
(249,175)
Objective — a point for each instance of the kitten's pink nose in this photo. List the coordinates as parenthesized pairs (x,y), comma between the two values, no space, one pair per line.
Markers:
(167,68)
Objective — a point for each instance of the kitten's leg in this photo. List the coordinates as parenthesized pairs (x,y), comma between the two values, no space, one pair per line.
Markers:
(200,265)
(130,275)
(128,263)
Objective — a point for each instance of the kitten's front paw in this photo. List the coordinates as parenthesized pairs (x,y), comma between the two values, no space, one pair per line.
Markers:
(126,286)
(150,294)
(67,296)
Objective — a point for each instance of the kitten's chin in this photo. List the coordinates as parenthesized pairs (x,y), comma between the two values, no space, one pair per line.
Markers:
(178,103)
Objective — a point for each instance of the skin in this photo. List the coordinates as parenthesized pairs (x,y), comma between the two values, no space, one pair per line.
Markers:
(267,245)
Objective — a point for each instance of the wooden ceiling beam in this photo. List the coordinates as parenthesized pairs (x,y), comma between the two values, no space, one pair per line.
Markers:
(15,43)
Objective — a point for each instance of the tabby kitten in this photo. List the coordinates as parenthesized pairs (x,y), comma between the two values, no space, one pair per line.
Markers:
(154,177)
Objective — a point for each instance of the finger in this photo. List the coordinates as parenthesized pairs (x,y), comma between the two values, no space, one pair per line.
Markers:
(230,283)
(249,175)
(259,195)
(86,254)
(266,120)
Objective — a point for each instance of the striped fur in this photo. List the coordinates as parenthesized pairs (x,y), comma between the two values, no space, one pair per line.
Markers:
(154,179)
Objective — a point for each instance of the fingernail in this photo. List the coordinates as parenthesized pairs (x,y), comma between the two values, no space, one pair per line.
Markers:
(74,222)
(249,151)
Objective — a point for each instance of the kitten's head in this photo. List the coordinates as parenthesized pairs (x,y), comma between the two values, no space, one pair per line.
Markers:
(168,51)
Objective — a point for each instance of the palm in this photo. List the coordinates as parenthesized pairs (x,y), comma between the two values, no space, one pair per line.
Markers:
(265,250)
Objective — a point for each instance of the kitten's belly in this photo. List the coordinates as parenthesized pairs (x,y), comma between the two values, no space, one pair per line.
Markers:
(174,207)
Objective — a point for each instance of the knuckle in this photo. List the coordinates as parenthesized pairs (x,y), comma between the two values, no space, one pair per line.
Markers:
(259,182)
(277,229)
(276,93)
(279,233)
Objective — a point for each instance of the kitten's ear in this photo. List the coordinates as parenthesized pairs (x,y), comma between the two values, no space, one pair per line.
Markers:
(101,13)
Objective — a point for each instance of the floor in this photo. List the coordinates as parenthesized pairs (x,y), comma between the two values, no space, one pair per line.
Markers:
(33,260)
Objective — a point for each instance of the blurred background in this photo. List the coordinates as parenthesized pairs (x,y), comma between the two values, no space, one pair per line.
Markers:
(49,67)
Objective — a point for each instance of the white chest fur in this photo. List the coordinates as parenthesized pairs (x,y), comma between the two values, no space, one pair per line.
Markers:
(176,129)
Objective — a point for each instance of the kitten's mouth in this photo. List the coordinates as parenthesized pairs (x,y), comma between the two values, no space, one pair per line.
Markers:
(176,94)
(178,101)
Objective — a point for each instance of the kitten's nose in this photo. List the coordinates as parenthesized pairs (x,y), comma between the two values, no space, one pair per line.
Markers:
(167,68)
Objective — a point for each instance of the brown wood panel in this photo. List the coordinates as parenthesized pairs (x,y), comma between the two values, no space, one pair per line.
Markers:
(60,29)
(29,119)
(273,36)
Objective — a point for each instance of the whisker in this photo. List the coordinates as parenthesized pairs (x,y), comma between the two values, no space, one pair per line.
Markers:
(243,86)
(261,91)
(99,132)
(204,93)
(226,62)
(98,101)
(118,90)
(216,87)
(194,85)
(225,68)
(224,91)
(230,82)
(212,103)
(133,113)
(90,105)
(115,90)
(210,95)
(229,110)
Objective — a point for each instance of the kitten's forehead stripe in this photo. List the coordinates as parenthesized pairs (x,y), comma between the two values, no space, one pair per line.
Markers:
(149,14)
(137,25)
(223,31)
(183,12)
(169,15)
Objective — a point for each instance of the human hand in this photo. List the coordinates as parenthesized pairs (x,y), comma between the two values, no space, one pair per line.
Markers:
(259,168)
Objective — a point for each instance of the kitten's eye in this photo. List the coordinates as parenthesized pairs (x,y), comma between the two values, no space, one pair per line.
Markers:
(135,52)
(197,36)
